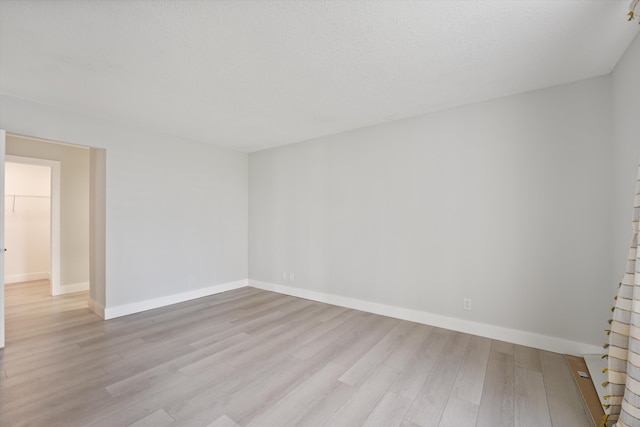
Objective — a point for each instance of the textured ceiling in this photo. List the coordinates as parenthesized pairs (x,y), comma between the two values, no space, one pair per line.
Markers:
(249,75)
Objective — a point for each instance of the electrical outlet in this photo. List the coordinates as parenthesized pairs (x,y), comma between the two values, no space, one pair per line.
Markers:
(467,304)
(284,275)
(291,277)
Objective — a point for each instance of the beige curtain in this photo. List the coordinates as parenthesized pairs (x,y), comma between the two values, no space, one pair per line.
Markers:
(623,383)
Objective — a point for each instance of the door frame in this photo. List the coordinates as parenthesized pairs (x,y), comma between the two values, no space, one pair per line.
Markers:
(2,151)
(97,230)
(54,241)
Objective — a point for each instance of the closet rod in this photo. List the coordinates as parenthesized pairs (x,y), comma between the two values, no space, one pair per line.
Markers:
(24,195)
(13,196)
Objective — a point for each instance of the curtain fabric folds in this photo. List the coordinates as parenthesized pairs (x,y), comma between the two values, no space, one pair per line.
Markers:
(623,409)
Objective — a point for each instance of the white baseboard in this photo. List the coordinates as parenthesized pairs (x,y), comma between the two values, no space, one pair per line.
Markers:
(515,336)
(26,277)
(136,307)
(71,288)
(96,308)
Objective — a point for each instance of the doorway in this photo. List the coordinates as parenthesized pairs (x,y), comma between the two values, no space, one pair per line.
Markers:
(79,268)
(32,221)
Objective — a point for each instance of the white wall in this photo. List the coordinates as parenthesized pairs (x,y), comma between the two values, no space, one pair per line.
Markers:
(626,152)
(27,222)
(176,211)
(505,202)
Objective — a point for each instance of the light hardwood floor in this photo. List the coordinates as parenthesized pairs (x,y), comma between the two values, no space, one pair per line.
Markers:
(254,358)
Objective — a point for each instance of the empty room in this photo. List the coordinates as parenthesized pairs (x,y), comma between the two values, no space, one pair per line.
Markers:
(320,213)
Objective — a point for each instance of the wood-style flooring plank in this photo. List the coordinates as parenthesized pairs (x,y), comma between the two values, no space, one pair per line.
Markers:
(223,421)
(565,403)
(531,406)
(459,413)
(293,406)
(429,404)
(402,354)
(326,406)
(497,403)
(470,381)
(410,381)
(389,411)
(249,404)
(159,418)
(372,359)
(248,357)
(364,400)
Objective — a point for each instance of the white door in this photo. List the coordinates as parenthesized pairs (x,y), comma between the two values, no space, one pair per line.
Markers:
(2,151)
